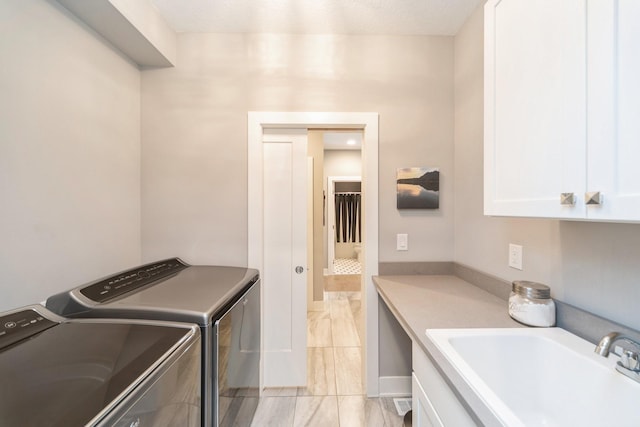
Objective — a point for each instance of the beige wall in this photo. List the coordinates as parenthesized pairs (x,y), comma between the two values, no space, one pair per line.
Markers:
(591,265)
(194,176)
(339,163)
(342,163)
(69,154)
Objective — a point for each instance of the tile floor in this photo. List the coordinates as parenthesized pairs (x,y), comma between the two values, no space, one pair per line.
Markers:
(346,266)
(334,396)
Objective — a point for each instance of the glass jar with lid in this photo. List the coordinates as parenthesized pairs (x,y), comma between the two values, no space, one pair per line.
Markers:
(530,303)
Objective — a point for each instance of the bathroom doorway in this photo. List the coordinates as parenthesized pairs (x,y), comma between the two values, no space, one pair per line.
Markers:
(344,225)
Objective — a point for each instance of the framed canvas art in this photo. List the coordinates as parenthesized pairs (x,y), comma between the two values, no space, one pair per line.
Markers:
(418,188)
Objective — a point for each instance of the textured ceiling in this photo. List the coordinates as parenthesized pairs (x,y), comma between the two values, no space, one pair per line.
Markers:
(387,17)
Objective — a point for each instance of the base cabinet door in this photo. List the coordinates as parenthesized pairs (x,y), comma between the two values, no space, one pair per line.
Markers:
(434,403)
(424,414)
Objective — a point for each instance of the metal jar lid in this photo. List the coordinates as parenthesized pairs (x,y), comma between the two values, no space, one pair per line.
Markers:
(531,289)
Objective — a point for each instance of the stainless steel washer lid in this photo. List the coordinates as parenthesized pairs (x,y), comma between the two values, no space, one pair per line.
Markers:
(69,373)
(191,294)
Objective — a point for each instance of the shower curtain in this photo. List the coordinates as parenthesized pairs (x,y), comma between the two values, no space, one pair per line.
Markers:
(348,222)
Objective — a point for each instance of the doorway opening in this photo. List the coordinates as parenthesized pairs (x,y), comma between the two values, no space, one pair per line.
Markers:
(344,225)
(367,123)
(335,325)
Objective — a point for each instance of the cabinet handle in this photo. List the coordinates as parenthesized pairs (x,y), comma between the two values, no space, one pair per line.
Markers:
(593,198)
(567,199)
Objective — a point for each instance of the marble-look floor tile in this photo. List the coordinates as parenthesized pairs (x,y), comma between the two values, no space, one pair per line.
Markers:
(343,326)
(389,413)
(344,333)
(342,283)
(224,403)
(247,392)
(321,375)
(356,307)
(356,310)
(320,411)
(340,309)
(351,296)
(358,411)
(332,296)
(319,329)
(348,363)
(318,305)
(239,412)
(275,411)
(334,395)
(280,392)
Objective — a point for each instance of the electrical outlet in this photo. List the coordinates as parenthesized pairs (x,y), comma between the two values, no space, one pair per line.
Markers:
(515,256)
(402,242)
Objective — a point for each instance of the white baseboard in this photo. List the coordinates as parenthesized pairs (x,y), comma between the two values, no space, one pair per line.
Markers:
(326,272)
(395,386)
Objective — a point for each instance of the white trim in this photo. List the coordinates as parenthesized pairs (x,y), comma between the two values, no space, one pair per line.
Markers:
(368,122)
(395,386)
(310,237)
(331,218)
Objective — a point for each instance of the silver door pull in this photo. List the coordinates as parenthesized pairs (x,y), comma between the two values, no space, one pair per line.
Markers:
(299,269)
(593,198)
(567,199)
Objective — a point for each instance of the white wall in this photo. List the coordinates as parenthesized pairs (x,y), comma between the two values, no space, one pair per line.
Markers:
(69,154)
(591,265)
(194,132)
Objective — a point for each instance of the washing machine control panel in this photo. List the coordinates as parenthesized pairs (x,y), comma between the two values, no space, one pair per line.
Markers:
(130,280)
(20,325)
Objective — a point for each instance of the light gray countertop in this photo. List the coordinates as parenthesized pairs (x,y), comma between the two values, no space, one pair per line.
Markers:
(442,302)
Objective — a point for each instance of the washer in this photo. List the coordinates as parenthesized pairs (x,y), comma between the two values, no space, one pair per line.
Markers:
(58,372)
(223,301)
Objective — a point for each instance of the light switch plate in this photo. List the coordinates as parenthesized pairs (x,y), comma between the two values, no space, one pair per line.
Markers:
(402,242)
(515,256)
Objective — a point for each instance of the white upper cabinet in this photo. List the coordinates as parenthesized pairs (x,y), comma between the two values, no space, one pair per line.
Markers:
(562,108)
(613,108)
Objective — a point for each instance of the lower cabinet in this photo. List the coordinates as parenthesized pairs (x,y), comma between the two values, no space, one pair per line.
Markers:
(424,414)
(434,403)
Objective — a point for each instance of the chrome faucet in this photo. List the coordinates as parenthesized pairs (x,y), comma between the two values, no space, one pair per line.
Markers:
(604,345)
(629,363)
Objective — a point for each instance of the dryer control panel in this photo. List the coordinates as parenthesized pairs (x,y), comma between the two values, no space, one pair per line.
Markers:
(17,326)
(130,280)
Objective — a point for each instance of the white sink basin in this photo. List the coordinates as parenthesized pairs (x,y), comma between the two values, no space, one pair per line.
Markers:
(541,377)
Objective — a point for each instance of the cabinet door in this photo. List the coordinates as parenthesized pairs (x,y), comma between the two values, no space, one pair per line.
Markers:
(423,414)
(434,403)
(535,115)
(613,131)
